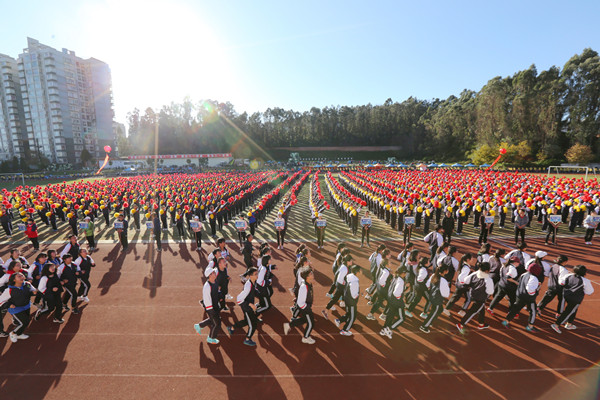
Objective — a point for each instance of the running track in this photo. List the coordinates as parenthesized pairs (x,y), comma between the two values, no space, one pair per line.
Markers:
(135,340)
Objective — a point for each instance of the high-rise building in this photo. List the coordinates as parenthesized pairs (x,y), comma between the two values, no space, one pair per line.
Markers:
(12,121)
(67,104)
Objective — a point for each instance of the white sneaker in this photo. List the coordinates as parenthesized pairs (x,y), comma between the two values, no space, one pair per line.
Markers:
(228,297)
(86,299)
(383,332)
(80,298)
(388,332)
(382,317)
(24,336)
(446,312)
(332,308)
(329,295)
(337,322)
(308,340)
(346,333)
(461,313)
(13,337)
(342,304)
(286,328)
(570,327)
(370,317)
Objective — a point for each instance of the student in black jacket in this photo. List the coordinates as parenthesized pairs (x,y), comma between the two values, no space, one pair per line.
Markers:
(123,232)
(210,301)
(247,251)
(555,289)
(304,303)
(246,300)
(448,225)
(156,229)
(51,288)
(575,287)
(68,274)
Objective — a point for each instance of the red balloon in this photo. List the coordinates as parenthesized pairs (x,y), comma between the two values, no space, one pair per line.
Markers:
(502,151)
(107,149)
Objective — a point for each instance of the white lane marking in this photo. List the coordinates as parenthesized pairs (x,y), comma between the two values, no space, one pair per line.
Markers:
(293,376)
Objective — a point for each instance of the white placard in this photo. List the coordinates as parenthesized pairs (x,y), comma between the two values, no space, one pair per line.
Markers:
(596,219)
(21,227)
(149,224)
(366,221)
(119,225)
(554,219)
(83,225)
(241,225)
(489,219)
(194,224)
(279,224)
(409,220)
(321,223)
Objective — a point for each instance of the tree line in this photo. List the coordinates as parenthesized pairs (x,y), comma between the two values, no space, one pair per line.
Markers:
(537,116)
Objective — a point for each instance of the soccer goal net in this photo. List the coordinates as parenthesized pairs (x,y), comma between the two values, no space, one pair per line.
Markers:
(12,180)
(572,169)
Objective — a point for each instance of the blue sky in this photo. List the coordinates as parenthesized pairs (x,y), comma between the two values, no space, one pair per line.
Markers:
(297,55)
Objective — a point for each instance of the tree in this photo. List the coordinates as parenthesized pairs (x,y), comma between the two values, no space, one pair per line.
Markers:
(484,155)
(579,154)
(85,157)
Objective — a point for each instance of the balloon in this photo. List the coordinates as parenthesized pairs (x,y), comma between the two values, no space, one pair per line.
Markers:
(502,151)
(107,149)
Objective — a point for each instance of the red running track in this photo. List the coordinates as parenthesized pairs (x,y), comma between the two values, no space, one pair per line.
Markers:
(135,340)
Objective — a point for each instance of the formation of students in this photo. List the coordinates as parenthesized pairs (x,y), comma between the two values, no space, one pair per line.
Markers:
(56,281)
(441,278)
(410,200)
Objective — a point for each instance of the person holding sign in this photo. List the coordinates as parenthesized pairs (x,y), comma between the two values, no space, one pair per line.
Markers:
(197,229)
(591,223)
(280,227)
(409,223)
(121,226)
(553,219)
(320,224)
(486,224)
(241,226)
(89,233)
(366,223)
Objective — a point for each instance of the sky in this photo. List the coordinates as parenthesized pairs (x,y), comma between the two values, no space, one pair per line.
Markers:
(296,55)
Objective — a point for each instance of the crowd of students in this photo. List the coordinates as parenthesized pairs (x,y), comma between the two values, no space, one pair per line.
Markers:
(55,280)
(432,283)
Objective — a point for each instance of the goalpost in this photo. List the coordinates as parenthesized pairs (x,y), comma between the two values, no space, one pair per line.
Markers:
(12,177)
(575,168)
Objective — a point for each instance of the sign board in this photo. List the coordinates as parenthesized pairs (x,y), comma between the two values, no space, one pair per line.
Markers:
(279,224)
(21,227)
(555,219)
(489,219)
(149,224)
(409,220)
(194,224)
(321,223)
(118,225)
(366,221)
(241,225)
(83,225)
(596,219)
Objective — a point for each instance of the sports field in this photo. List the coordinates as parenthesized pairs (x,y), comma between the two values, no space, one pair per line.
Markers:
(135,338)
